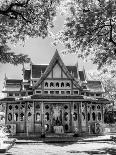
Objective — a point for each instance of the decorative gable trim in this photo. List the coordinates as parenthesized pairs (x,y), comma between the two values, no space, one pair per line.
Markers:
(57,59)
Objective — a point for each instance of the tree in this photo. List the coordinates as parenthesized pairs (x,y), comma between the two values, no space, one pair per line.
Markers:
(90,30)
(21,18)
(108,82)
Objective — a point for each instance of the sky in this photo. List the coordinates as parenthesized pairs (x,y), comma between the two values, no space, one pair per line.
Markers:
(40,51)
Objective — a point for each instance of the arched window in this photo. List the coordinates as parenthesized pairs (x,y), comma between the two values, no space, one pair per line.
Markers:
(22,106)
(93,107)
(37,106)
(88,116)
(98,107)
(75,116)
(75,106)
(67,84)
(10,107)
(93,116)
(47,116)
(62,84)
(99,116)
(66,127)
(15,117)
(22,116)
(46,84)
(46,106)
(51,84)
(57,84)
(83,115)
(10,117)
(30,106)
(38,117)
(66,116)
(65,107)
(16,107)
(46,127)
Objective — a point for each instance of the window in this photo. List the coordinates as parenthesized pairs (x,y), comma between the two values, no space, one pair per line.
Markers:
(37,106)
(38,117)
(15,116)
(22,116)
(10,107)
(75,116)
(30,93)
(29,106)
(99,116)
(65,107)
(23,94)
(67,92)
(93,107)
(38,92)
(98,107)
(83,115)
(51,84)
(66,116)
(67,84)
(62,84)
(93,116)
(16,94)
(62,92)
(46,84)
(98,94)
(87,94)
(47,116)
(47,127)
(57,84)
(46,106)
(88,116)
(10,117)
(10,94)
(57,92)
(51,92)
(45,92)
(75,106)
(92,94)
(16,107)
(82,93)
(76,92)
(22,106)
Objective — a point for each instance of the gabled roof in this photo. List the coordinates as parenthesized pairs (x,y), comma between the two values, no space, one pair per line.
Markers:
(56,59)
(95,86)
(73,70)
(37,70)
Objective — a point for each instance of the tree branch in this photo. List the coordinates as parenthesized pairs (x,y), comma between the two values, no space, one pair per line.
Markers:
(111,29)
(13,13)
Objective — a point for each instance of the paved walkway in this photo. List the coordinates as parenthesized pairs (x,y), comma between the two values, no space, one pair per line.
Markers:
(65,139)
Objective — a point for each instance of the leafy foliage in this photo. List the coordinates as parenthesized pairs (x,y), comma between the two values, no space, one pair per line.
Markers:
(22,18)
(90,30)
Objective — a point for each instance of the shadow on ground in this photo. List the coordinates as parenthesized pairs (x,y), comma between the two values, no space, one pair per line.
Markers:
(104,151)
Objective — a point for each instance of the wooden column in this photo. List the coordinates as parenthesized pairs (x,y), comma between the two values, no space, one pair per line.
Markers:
(86,117)
(71,113)
(6,114)
(42,125)
(25,117)
(79,117)
(102,113)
